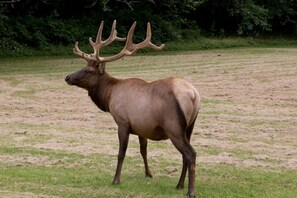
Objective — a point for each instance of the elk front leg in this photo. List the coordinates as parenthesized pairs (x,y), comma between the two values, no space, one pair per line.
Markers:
(123,140)
(143,151)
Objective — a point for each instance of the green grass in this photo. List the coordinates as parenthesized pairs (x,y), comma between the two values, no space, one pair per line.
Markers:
(32,65)
(75,175)
(85,176)
(206,43)
(93,178)
(228,181)
(28,93)
(202,43)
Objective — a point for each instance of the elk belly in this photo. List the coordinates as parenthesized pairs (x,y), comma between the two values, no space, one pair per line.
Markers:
(147,126)
(156,134)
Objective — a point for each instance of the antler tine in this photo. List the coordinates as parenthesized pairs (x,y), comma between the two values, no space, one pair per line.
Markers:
(148,31)
(81,54)
(113,35)
(129,43)
(77,51)
(147,42)
(131,47)
(99,34)
(149,36)
(98,37)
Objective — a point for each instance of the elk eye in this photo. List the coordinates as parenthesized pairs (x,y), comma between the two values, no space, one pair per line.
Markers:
(88,71)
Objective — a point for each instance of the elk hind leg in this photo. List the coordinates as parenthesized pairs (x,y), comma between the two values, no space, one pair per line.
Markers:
(180,141)
(189,158)
(181,182)
(143,151)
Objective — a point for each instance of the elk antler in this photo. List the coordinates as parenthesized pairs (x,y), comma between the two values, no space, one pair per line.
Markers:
(128,49)
(99,43)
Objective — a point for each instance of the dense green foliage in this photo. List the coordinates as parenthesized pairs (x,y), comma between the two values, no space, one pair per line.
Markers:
(40,23)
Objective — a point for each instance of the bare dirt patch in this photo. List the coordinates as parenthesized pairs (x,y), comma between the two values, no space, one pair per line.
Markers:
(248,116)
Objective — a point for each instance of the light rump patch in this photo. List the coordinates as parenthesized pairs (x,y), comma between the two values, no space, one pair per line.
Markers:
(188,99)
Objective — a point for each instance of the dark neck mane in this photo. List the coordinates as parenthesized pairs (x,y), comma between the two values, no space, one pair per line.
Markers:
(101,93)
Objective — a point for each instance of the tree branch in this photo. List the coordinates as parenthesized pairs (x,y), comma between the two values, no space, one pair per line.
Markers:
(9,2)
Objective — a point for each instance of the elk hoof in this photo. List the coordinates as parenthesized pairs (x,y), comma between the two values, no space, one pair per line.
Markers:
(149,175)
(180,186)
(116,182)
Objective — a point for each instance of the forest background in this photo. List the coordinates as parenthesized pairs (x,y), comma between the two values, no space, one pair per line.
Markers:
(47,27)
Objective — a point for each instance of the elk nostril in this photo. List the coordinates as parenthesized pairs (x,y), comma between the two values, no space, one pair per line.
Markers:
(67,78)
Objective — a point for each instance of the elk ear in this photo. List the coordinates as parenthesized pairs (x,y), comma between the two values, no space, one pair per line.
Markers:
(101,68)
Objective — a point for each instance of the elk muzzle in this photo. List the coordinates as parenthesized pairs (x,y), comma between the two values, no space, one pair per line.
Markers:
(85,78)
(68,80)
(75,78)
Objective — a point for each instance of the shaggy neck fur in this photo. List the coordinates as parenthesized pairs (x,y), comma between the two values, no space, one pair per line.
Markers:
(101,93)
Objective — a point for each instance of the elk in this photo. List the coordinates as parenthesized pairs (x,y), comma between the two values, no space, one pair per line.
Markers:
(155,110)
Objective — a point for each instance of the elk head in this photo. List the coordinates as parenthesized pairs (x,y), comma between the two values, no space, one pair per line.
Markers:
(89,76)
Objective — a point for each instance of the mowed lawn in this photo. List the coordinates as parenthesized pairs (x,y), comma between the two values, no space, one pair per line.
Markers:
(54,142)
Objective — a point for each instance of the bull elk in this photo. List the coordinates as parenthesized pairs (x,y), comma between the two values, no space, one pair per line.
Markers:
(155,110)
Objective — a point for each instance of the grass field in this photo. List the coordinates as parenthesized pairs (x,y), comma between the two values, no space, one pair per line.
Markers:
(54,142)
